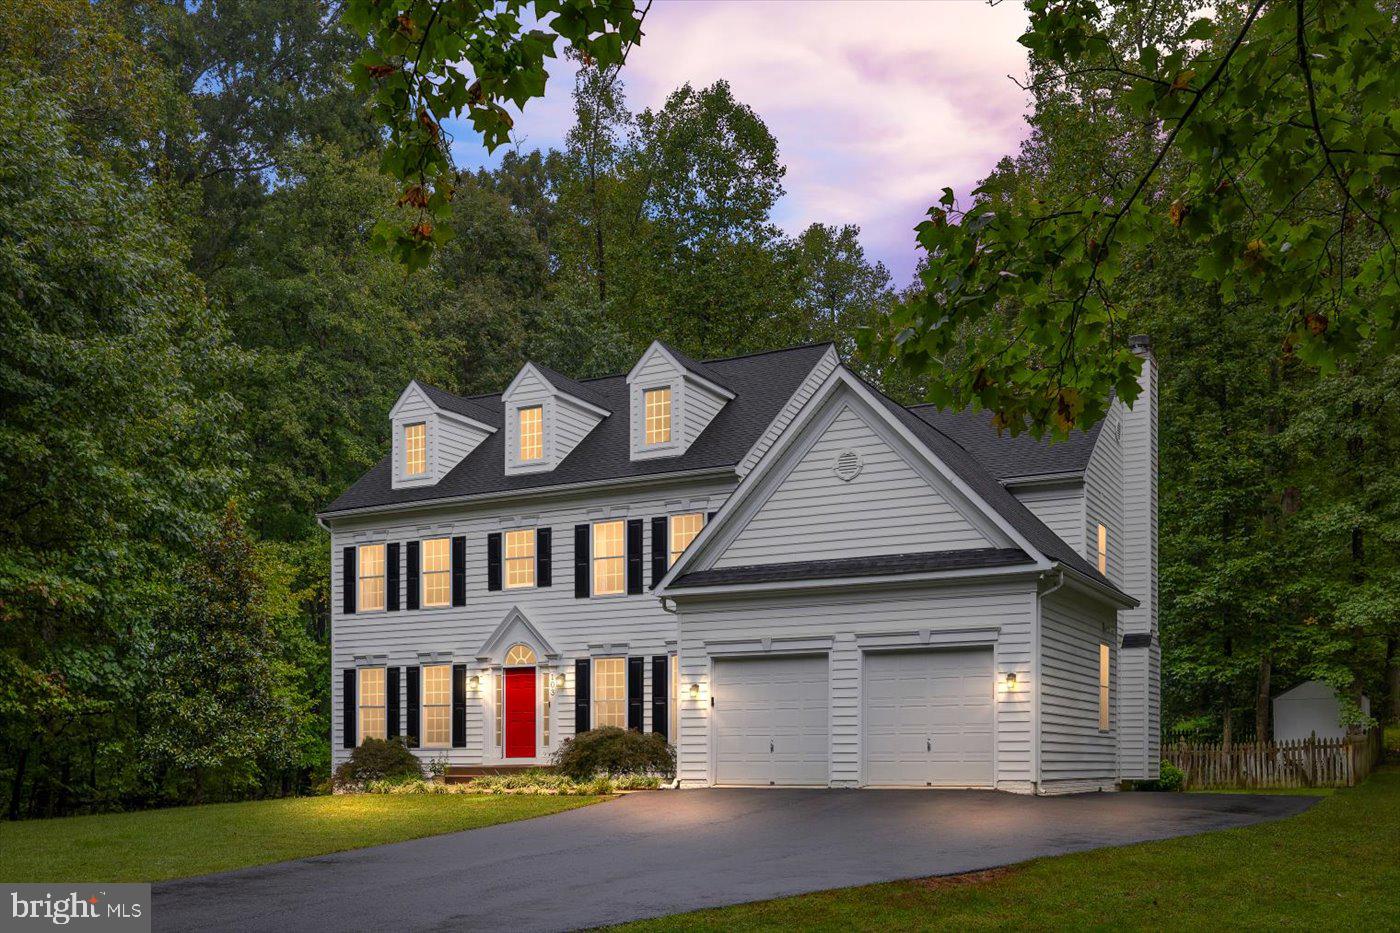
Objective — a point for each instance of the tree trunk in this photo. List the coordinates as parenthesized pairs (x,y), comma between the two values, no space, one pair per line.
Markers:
(1262,701)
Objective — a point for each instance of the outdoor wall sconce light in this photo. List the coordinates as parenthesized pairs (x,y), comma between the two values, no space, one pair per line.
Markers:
(1011,680)
(475,682)
(695,691)
(558,681)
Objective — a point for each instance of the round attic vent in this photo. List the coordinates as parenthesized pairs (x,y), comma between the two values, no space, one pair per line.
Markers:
(848,464)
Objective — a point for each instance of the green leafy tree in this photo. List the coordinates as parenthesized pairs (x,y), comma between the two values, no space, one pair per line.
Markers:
(1279,118)
(216,686)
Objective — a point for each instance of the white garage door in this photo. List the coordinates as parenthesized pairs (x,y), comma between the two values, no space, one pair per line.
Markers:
(928,718)
(770,720)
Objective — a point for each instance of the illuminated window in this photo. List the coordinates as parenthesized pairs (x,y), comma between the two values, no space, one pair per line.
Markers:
(520,656)
(531,434)
(501,709)
(415,449)
(437,706)
(520,558)
(673,708)
(658,415)
(609,559)
(1103,685)
(610,692)
(684,528)
(1103,549)
(437,572)
(371,700)
(371,589)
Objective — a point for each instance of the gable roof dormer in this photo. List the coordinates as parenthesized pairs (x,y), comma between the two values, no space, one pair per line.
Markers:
(671,400)
(547,414)
(433,431)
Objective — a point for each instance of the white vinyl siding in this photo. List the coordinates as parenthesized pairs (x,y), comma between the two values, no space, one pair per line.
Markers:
(1060,507)
(447,439)
(610,692)
(1139,680)
(563,422)
(1103,498)
(1073,747)
(659,384)
(889,508)
(824,368)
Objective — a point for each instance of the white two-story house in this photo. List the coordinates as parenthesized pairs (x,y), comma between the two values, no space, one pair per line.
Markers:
(794,579)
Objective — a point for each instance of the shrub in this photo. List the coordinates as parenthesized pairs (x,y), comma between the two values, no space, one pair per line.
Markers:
(533,783)
(378,760)
(1170,777)
(613,752)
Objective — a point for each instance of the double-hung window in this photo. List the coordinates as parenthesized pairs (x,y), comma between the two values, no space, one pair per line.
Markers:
(610,692)
(673,707)
(520,558)
(371,700)
(437,706)
(415,449)
(684,528)
(370,596)
(657,404)
(531,427)
(1103,549)
(609,558)
(437,572)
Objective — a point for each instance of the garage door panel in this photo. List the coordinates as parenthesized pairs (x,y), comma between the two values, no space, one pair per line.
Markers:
(928,717)
(771,720)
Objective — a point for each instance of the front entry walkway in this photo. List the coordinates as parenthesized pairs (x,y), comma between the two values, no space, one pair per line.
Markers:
(664,852)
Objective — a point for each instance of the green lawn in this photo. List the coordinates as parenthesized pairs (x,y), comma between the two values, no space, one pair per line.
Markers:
(1333,867)
(153,845)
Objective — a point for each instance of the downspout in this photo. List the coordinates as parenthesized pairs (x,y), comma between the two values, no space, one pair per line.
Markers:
(1036,672)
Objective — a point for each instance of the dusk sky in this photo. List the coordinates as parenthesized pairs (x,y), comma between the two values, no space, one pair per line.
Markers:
(876,106)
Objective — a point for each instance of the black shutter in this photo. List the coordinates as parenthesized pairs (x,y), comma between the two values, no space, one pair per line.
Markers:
(634,555)
(347,581)
(493,561)
(660,695)
(583,694)
(660,550)
(391,702)
(710,517)
(391,574)
(459,705)
(347,723)
(544,557)
(414,565)
(581,562)
(413,672)
(459,571)
(636,676)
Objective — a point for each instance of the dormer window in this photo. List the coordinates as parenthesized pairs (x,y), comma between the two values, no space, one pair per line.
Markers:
(658,415)
(531,433)
(415,449)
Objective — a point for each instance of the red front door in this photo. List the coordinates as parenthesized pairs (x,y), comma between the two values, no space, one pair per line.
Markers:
(520,712)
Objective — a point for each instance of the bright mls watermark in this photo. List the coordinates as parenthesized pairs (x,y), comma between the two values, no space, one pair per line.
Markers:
(118,907)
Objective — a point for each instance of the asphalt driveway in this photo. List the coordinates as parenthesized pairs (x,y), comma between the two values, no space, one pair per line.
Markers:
(660,853)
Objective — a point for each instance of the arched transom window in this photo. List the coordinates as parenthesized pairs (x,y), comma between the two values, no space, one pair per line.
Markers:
(520,654)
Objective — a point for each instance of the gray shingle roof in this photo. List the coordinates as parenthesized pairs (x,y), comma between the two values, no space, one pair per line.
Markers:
(1006,456)
(463,406)
(700,369)
(762,383)
(846,567)
(573,387)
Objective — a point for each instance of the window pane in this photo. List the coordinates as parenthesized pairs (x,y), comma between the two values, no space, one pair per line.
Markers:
(531,433)
(436,571)
(1103,549)
(684,528)
(371,700)
(437,706)
(520,558)
(609,562)
(658,415)
(673,733)
(519,655)
(415,449)
(1103,686)
(371,564)
(610,692)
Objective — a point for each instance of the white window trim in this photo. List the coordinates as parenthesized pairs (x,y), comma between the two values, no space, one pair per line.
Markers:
(423,706)
(595,699)
(593,559)
(673,708)
(533,559)
(423,574)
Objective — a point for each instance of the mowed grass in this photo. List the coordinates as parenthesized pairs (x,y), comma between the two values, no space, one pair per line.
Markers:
(1337,866)
(154,845)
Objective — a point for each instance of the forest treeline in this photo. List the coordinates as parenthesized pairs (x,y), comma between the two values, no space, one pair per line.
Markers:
(199,346)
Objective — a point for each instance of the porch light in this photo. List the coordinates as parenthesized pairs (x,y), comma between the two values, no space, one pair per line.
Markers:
(558,681)
(695,691)
(475,681)
(1010,680)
